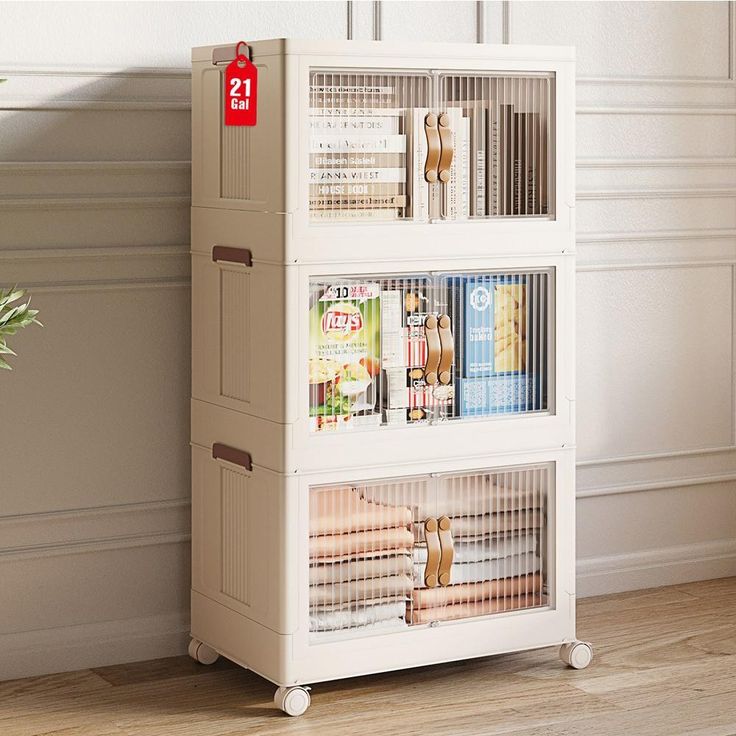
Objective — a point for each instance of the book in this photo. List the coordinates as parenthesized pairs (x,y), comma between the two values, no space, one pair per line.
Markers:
(529,157)
(478,139)
(375,124)
(452,190)
(464,169)
(363,143)
(357,176)
(418,188)
(369,202)
(500,170)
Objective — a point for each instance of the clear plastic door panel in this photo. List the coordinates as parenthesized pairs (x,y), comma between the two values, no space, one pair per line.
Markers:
(501,131)
(426,147)
(363,127)
(413,349)
(389,554)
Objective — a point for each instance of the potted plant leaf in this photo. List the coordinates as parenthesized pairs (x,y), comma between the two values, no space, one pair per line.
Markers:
(13,317)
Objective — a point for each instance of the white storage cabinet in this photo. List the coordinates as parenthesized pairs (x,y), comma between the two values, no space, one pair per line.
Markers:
(383,359)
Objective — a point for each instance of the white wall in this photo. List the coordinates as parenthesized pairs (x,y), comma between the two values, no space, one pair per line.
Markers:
(94,185)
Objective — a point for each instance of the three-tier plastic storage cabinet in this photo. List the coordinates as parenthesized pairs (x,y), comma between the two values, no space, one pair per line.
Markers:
(383,359)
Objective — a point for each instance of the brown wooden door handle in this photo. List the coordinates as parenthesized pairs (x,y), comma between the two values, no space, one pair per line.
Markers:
(446,149)
(433,147)
(434,553)
(447,349)
(232,455)
(232,255)
(434,350)
(447,551)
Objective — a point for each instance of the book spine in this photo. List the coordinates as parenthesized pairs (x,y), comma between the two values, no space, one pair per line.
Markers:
(478,162)
(419,185)
(465,169)
(377,124)
(357,176)
(398,200)
(358,143)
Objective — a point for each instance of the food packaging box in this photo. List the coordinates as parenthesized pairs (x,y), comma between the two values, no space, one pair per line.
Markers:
(344,355)
(404,307)
(511,392)
(490,318)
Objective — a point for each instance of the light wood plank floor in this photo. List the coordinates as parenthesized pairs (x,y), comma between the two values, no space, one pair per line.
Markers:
(665,665)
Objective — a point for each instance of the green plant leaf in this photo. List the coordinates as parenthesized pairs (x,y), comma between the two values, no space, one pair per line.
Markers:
(5,350)
(5,365)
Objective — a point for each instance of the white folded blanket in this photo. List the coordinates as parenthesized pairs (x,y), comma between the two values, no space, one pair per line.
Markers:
(476,572)
(356,617)
(393,586)
(491,548)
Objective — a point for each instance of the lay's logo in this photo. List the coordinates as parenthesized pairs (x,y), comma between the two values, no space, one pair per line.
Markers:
(342,320)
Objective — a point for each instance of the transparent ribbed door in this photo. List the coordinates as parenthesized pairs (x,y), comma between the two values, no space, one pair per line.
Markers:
(421,550)
(412,349)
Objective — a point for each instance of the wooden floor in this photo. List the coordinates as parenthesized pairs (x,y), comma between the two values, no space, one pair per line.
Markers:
(665,664)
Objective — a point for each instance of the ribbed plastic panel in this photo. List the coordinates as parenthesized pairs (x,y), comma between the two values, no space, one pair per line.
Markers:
(426,549)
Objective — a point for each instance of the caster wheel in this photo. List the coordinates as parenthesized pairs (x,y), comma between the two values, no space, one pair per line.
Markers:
(576,654)
(201,653)
(292,700)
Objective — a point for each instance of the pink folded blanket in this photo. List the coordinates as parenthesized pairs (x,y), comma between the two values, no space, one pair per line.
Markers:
(340,510)
(525,585)
(476,608)
(332,545)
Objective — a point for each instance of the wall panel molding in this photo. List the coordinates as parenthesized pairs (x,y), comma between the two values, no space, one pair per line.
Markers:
(656,567)
(28,536)
(93,644)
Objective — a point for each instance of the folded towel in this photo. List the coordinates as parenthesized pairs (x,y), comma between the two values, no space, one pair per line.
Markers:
(355,557)
(360,569)
(484,497)
(354,617)
(387,626)
(526,585)
(477,608)
(360,590)
(331,545)
(486,549)
(486,524)
(340,510)
(477,572)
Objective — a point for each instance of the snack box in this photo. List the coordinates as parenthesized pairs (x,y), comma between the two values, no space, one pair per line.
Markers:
(490,316)
(404,307)
(500,394)
(344,355)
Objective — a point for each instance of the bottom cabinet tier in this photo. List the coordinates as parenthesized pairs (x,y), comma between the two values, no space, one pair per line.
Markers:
(389,554)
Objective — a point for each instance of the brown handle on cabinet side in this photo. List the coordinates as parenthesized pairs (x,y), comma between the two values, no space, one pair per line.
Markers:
(434,553)
(446,149)
(433,148)
(434,350)
(447,551)
(447,349)
(232,455)
(232,255)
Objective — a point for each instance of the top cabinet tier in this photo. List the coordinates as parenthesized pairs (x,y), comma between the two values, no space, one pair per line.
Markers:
(352,137)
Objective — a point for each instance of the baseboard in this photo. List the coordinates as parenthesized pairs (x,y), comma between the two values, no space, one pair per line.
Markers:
(46,651)
(63,649)
(656,567)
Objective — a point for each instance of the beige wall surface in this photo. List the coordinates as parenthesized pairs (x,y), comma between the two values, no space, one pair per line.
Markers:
(94,197)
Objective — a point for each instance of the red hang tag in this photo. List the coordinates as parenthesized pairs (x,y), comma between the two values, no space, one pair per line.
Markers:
(241,90)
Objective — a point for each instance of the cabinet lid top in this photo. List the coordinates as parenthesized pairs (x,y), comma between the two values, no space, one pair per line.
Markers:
(224,53)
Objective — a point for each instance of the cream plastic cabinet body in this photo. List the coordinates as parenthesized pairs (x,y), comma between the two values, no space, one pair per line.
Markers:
(383,359)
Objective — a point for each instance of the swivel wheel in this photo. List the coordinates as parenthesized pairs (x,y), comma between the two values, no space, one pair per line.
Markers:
(292,700)
(576,654)
(201,653)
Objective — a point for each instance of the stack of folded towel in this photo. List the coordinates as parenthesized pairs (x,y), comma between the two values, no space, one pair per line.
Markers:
(360,562)
(496,564)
